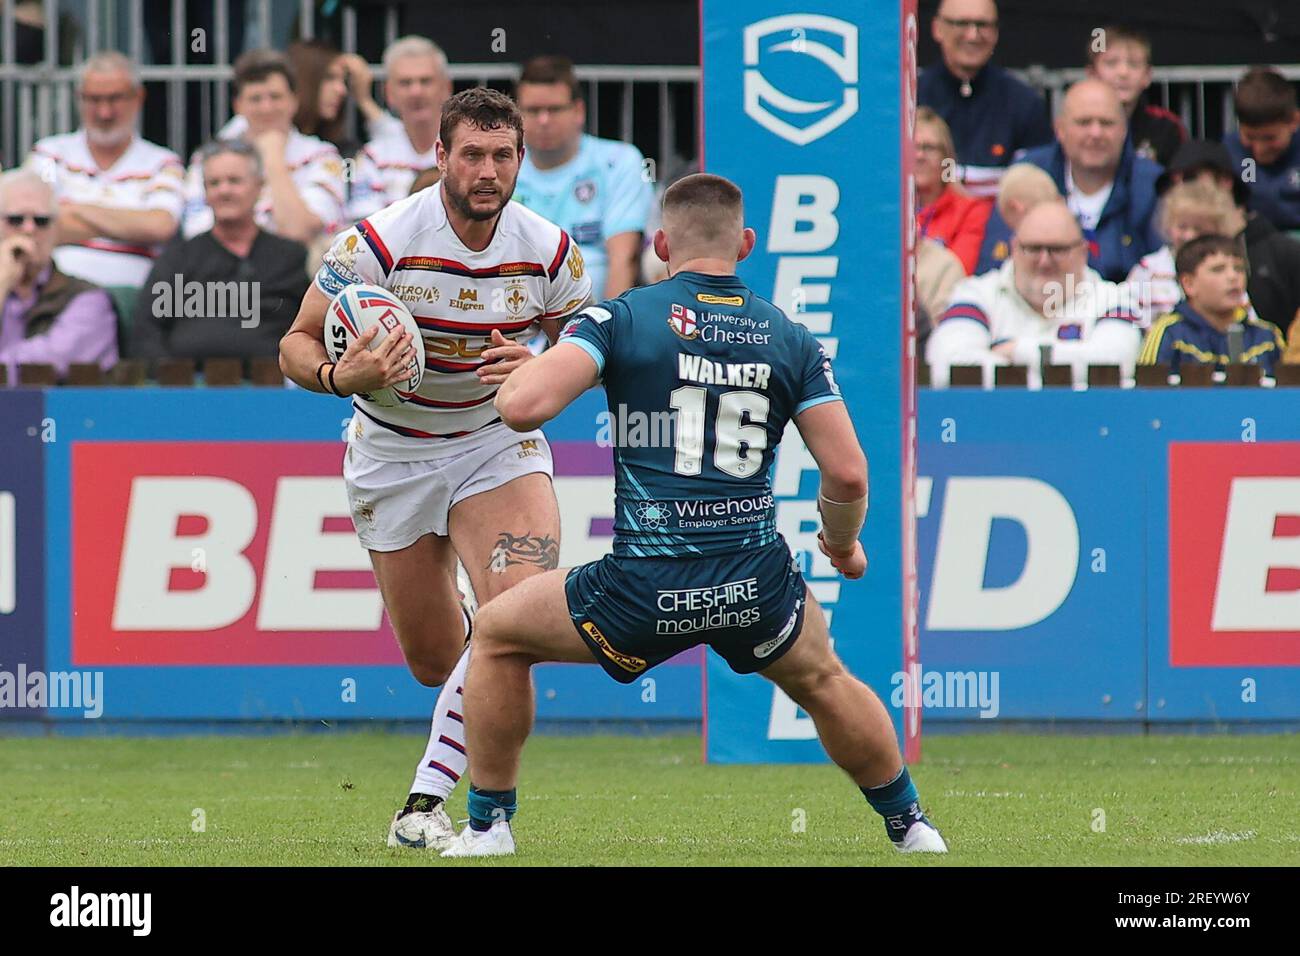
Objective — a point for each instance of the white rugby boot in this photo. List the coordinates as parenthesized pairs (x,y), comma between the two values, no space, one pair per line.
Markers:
(496,840)
(921,837)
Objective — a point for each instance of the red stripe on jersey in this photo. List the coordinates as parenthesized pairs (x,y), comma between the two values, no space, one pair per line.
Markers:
(408,432)
(107,245)
(438,365)
(433,403)
(467,328)
(452,267)
(560,253)
(376,245)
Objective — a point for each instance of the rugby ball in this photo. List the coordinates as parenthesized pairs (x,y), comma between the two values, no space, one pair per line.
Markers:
(356,309)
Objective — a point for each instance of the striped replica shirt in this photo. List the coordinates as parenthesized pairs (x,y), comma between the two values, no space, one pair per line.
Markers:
(1094,323)
(528,272)
(385,170)
(316,169)
(146,177)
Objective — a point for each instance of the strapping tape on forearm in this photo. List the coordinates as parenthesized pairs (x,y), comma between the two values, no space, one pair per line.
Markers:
(841,521)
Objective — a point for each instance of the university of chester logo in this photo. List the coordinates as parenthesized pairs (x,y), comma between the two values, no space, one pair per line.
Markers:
(467,301)
(682,321)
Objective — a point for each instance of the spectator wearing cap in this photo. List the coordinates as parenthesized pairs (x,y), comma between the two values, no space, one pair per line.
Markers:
(1121,57)
(1265,147)
(945,214)
(1022,188)
(1109,188)
(46,317)
(1274,257)
(1187,211)
(250,281)
(1043,298)
(992,115)
(1202,328)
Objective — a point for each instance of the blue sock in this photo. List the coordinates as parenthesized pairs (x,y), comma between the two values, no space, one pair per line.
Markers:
(898,802)
(487,807)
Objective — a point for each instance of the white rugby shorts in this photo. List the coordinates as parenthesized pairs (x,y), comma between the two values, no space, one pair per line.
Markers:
(394,503)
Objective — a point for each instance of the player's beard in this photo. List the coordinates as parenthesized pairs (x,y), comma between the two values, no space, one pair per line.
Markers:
(461,201)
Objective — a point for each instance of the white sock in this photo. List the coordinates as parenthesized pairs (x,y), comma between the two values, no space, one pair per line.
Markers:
(444,760)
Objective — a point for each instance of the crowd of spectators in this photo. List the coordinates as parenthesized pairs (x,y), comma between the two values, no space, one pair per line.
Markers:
(104,234)
(1105,236)
(114,247)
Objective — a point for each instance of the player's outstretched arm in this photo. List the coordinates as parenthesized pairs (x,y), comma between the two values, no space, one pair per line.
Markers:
(828,432)
(543,387)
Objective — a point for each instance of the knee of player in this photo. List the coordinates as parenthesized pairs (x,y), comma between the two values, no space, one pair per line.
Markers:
(429,673)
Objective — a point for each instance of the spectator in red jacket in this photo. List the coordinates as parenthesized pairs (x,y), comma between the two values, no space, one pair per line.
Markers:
(1121,58)
(944,212)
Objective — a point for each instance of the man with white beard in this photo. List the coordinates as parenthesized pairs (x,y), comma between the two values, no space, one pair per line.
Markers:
(120,196)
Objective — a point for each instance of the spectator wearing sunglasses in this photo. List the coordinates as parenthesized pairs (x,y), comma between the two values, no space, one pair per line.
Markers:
(120,196)
(45,316)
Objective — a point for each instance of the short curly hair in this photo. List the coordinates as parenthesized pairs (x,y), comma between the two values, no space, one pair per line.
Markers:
(482,108)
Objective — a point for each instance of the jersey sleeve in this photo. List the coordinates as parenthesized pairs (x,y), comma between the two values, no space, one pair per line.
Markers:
(321,186)
(366,187)
(592,330)
(569,286)
(166,190)
(630,195)
(357,254)
(817,383)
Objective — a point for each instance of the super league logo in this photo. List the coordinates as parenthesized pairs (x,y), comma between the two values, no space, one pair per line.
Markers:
(793,30)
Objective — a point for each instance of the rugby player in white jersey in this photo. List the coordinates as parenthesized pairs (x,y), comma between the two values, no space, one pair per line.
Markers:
(440,477)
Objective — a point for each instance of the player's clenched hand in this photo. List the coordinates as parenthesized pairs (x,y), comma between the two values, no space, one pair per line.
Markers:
(852,565)
(361,370)
(501,359)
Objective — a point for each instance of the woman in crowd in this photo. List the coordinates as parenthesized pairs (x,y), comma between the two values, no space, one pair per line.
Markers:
(945,213)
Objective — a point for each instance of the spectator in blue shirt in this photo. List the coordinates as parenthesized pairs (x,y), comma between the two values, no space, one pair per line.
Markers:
(992,115)
(1202,328)
(1265,147)
(1109,188)
(596,190)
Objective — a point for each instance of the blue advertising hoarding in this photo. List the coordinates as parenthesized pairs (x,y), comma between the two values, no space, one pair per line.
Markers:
(798,99)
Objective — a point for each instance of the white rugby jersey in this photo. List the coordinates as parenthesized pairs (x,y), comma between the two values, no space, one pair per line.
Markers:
(1155,285)
(528,272)
(317,171)
(385,170)
(146,177)
(1094,324)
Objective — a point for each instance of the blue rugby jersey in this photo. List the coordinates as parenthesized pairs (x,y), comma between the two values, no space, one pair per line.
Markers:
(701,377)
(1184,335)
(601,192)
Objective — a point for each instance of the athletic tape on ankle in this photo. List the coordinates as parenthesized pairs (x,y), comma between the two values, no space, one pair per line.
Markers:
(841,521)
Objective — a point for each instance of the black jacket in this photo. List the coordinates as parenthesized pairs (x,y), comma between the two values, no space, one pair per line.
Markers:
(1274,282)
(197,316)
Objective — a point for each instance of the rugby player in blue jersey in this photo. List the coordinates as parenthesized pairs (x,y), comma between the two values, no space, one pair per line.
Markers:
(697,557)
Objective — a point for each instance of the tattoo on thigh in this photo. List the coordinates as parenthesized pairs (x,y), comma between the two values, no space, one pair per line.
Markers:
(541,551)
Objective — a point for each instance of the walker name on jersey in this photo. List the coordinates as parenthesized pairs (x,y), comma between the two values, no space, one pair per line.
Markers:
(696,368)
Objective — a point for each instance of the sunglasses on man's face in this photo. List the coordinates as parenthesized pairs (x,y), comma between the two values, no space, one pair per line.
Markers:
(17,219)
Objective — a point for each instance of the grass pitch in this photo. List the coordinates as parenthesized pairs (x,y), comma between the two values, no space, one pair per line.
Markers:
(326,799)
